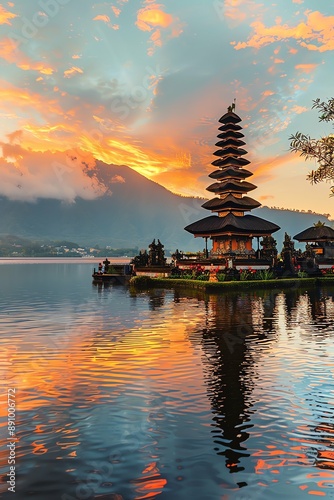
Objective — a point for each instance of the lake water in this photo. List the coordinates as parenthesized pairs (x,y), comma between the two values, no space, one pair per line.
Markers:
(163,394)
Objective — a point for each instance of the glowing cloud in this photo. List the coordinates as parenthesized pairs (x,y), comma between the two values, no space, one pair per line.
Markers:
(72,72)
(7,50)
(149,17)
(117,179)
(236,11)
(318,28)
(5,16)
(265,197)
(27,101)
(306,68)
(116,10)
(299,109)
(36,67)
(104,18)
(13,55)
(153,18)
(27,175)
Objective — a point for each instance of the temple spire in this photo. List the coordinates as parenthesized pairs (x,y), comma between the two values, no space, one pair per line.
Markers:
(230,229)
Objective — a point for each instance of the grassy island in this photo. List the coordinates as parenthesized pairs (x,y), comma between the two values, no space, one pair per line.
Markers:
(145,282)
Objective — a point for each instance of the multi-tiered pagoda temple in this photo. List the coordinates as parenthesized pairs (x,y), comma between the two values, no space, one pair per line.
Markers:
(231,231)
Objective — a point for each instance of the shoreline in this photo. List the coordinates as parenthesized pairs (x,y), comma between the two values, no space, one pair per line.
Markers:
(61,260)
(207,286)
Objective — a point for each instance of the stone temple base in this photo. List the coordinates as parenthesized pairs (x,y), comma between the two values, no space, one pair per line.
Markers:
(153,271)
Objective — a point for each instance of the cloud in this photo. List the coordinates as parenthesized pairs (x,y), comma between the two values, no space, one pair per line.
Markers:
(236,12)
(81,130)
(116,10)
(104,18)
(117,179)
(13,55)
(267,93)
(28,102)
(266,168)
(28,175)
(306,68)
(265,197)
(299,109)
(149,17)
(5,16)
(153,19)
(72,72)
(318,28)
(15,136)
(7,50)
(36,66)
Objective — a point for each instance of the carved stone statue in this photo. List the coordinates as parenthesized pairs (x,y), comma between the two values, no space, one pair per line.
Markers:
(287,254)
(309,252)
(177,255)
(161,261)
(152,254)
(269,250)
(140,260)
(309,263)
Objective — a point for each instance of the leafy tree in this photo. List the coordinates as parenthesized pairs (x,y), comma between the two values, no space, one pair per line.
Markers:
(322,150)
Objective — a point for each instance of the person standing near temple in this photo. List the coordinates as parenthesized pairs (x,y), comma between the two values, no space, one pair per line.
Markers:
(106,264)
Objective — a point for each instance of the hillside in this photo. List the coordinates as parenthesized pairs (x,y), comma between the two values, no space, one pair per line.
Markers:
(136,211)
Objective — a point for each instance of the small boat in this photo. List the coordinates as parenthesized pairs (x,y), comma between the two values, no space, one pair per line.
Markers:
(117,273)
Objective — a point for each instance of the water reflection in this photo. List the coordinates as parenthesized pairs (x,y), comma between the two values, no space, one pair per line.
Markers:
(251,345)
(234,324)
(130,395)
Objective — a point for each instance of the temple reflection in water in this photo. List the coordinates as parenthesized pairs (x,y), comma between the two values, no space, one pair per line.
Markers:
(234,323)
(242,332)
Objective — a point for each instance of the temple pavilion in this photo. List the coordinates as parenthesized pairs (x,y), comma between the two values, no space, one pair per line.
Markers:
(319,241)
(230,230)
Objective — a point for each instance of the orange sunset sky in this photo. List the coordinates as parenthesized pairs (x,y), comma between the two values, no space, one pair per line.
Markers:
(142,83)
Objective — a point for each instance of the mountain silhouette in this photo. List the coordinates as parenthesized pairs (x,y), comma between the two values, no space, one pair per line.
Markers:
(133,212)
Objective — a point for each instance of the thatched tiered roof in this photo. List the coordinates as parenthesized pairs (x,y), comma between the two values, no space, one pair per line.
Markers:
(230,188)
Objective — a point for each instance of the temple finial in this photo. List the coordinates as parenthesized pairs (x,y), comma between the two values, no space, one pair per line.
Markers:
(231,108)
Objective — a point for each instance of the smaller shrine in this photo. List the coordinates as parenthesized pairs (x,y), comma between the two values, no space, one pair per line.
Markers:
(152,261)
(319,240)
